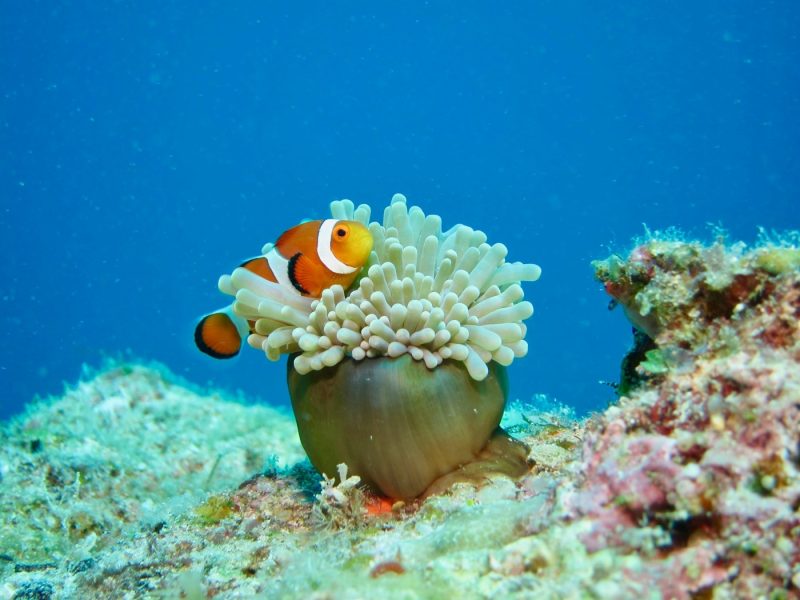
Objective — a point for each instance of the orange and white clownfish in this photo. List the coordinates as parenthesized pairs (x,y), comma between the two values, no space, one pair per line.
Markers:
(306,259)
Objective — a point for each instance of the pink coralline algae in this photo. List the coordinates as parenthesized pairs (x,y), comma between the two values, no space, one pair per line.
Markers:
(705,445)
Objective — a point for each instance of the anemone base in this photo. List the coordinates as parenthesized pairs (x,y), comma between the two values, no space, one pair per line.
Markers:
(394,422)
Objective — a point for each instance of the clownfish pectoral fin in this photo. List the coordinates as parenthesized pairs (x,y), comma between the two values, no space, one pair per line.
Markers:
(220,334)
(305,274)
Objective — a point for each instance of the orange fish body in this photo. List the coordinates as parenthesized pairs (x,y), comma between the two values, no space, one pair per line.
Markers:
(305,260)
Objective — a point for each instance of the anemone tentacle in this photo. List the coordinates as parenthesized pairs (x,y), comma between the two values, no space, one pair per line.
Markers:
(431,294)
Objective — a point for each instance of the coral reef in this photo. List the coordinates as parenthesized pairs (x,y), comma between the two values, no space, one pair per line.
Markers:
(687,487)
(678,289)
(706,448)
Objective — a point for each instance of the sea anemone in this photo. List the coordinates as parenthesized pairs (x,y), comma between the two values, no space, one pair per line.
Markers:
(445,300)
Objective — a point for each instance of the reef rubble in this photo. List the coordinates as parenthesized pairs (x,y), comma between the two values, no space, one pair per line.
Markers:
(132,485)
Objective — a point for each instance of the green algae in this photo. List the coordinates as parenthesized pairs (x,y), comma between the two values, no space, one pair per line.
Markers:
(655,363)
(214,509)
(777,261)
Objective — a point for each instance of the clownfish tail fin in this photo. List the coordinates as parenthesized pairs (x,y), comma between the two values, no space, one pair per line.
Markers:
(220,334)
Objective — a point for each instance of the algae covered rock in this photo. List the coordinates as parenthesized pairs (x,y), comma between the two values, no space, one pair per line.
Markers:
(120,451)
(687,487)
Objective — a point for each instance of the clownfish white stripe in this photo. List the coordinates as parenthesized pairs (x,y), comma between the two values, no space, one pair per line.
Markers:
(324,249)
(280,268)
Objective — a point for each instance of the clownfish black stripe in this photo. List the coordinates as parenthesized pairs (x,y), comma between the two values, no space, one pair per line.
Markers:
(291,268)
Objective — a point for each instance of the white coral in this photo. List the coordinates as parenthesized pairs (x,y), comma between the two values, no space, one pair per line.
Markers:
(434,295)
(337,494)
(340,505)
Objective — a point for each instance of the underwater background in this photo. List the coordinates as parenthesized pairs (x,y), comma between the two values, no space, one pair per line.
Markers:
(146,148)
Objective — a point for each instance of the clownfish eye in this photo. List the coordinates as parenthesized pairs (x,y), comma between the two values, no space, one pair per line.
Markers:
(341,232)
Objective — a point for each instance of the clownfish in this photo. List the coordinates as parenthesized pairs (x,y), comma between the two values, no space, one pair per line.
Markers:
(305,260)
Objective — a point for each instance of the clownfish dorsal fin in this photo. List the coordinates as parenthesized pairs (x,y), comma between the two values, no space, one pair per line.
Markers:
(260,266)
(300,238)
(305,274)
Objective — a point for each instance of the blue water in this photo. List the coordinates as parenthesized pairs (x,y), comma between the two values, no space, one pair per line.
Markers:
(148,147)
